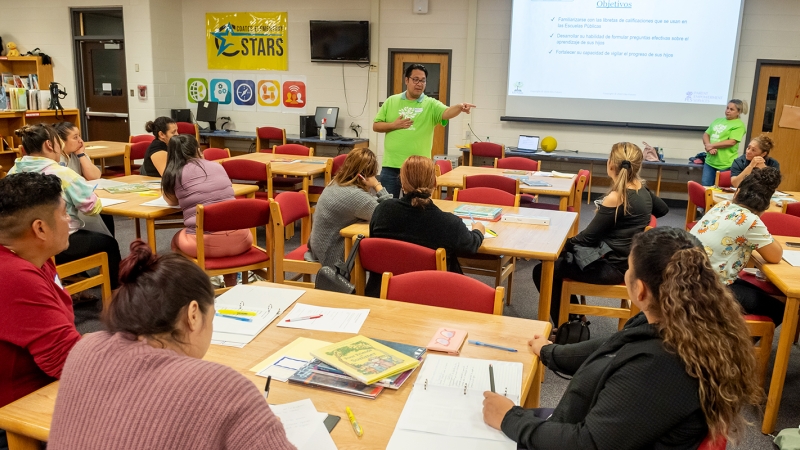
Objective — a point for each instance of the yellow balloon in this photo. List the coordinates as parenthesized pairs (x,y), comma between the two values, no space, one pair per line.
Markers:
(549,144)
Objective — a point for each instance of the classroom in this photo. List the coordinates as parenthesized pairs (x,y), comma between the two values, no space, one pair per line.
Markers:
(373,224)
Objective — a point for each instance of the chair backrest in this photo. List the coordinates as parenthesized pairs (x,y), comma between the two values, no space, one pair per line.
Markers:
(723,179)
(506,184)
(213,153)
(444,165)
(141,138)
(338,162)
(792,208)
(486,195)
(247,170)
(718,444)
(134,151)
(293,206)
(581,181)
(488,149)
(373,255)
(293,149)
(443,289)
(780,224)
(267,134)
(102,279)
(700,197)
(653,222)
(516,163)
(236,214)
(187,128)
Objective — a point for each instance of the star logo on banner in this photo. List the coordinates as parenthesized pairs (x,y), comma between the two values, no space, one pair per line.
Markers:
(221,43)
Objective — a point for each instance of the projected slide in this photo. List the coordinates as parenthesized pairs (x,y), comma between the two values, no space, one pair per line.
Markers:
(676,51)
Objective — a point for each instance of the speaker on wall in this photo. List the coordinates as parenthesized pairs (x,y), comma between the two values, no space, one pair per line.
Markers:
(420,6)
(308,126)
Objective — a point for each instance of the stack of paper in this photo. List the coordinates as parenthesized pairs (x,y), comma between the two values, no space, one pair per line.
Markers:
(103,183)
(304,425)
(255,306)
(160,202)
(339,320)
(792,257)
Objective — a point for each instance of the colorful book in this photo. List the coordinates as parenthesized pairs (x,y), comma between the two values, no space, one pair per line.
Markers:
(138,187)
(478,212)
(307,376)
(364,359)
(448,340)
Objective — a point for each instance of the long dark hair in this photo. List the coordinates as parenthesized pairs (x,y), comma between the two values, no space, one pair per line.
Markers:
(182,150)
(701,322)
(153,292)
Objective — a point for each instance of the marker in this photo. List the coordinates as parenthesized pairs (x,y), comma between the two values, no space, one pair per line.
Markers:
(236,312)
(492,232)
(266,386)
(484,344)
(491,378)
(242,319)
(356,427)
(304,318)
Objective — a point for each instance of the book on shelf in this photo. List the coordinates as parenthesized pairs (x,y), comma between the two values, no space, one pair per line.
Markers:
(364,359)
(479,212)
(4,100)
(308,376)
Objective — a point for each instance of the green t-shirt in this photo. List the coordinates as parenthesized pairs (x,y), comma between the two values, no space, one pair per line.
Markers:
(425,112)
(723,129)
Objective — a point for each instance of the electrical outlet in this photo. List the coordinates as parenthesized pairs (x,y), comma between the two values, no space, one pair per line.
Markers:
(467,134)
(373,67)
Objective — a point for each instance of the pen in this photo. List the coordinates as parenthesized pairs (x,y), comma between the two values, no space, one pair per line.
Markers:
(236,312)
(491,377)
(484,344)
(266,386)
(243,319)
(492,232)
(472,219)
(356,427)
(304,318)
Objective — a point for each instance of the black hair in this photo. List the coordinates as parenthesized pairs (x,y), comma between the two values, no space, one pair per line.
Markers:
(63,129)
(756,190)
(181,150)
(160,125)
(153,292)
(21,195)
(34,136)
(414,67)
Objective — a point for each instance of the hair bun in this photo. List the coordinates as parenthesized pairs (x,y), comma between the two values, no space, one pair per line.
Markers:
(20,132)
(138,262)
(769,177)
(149,126)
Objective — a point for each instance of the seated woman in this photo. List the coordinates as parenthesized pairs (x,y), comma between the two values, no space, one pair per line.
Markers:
(732,230)
(155,160)
(73,156)
(416,219)
(143,383)
(190,180)
(351,196)
(756,156)
(89,234)
(658,383)
(599,254)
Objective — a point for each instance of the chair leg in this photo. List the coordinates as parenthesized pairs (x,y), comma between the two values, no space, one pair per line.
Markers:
(136,228)
(508,289)
(796,334)
(621,322)
(563,312)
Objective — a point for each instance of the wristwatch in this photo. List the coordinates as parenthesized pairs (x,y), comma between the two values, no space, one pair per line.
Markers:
(80,155)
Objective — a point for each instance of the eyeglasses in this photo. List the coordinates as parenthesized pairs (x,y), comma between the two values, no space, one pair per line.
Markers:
(418,80)
(446,339)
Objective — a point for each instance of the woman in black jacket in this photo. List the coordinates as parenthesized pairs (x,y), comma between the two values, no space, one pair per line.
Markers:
(599,254)
(679,371)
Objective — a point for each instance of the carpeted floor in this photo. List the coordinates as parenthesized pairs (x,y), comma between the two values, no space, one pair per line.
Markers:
(525,301)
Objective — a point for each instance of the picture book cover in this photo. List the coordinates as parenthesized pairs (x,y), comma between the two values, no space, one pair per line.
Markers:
(307,376)
(365,359)
(448,340)
(128,188)
(392,382)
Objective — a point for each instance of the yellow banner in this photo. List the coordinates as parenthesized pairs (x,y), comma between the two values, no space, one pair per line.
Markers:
(247,41)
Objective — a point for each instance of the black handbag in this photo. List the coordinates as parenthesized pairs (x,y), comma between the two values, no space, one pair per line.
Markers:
(572,332)
(337,278)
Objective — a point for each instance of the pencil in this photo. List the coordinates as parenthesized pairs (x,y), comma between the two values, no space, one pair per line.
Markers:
(491,377)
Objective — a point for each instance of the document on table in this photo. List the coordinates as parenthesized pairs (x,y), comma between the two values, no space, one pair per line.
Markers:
(340,320)
(486,234)
(95,147)
(266,302)
(304,425)
(110,201)
(445,407)
(792,257)
(103,183)
(160,202)
(285,362)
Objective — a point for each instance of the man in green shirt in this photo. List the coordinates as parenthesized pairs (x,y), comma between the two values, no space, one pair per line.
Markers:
(408,119)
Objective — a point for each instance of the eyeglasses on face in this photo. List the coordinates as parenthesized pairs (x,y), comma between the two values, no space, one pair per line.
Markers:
(418,80)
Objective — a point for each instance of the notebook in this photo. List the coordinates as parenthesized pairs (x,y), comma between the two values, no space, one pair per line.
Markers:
(447,340)
(528,144)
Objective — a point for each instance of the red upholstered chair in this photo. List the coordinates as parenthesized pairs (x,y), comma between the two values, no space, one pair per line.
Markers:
(189,128)
(486,149)
(719,444)
(442,166)
(516,163)
(510,185)
(699,197)
(723,179)
(444,290)
(373,255)
(132,153)
(791,208)
(213,153)
(141,138)
(285,183)
(653,223)
(287,208)
(331,168)
(230,215)
(780,224)
(266,134)
(487,195)
(254,171)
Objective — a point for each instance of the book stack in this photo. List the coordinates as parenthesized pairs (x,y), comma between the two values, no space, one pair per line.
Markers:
(490,213)
(20,93)
(360,366)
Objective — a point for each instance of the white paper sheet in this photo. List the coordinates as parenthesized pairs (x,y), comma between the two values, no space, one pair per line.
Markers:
(160,203)
(111,201)
(333,319)
(468,224)
(792,257)
(267,302)
(304,425)
(103,183)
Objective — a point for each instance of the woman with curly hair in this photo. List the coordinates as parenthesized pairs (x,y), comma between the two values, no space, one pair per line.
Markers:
(680,370)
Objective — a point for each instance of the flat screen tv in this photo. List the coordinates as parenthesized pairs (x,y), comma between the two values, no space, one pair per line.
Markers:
(340,41)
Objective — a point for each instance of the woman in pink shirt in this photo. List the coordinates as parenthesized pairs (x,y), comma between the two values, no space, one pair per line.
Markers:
(143,384)
(189,180)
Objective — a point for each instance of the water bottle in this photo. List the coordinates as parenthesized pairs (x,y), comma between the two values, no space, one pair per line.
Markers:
(323,133)
(660,151)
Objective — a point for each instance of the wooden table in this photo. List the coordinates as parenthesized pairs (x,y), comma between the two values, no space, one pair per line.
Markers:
(513,239)
(27,420)
(773,207)
(104,149)
(787,279)
(133,206)
(561,187)
(305,167)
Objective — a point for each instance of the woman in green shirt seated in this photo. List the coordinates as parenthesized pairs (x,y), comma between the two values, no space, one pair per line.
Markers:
(721,141)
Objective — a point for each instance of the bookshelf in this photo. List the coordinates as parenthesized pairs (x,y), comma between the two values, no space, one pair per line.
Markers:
(12,120)
(24,65)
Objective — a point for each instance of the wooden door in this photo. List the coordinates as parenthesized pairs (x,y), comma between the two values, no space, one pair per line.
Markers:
(778,85)
(438,65)
(105,86)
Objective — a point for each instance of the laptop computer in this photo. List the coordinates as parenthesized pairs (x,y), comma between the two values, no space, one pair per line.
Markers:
(526,144)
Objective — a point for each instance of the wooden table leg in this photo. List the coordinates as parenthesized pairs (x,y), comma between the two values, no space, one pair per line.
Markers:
(548,269)
(562,203)
(450,192)
(535,390)
(781,364)
(20,442)
(151,233)
(658,182)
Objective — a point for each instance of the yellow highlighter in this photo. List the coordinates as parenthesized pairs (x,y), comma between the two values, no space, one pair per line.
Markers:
(236,312)
(356,427)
